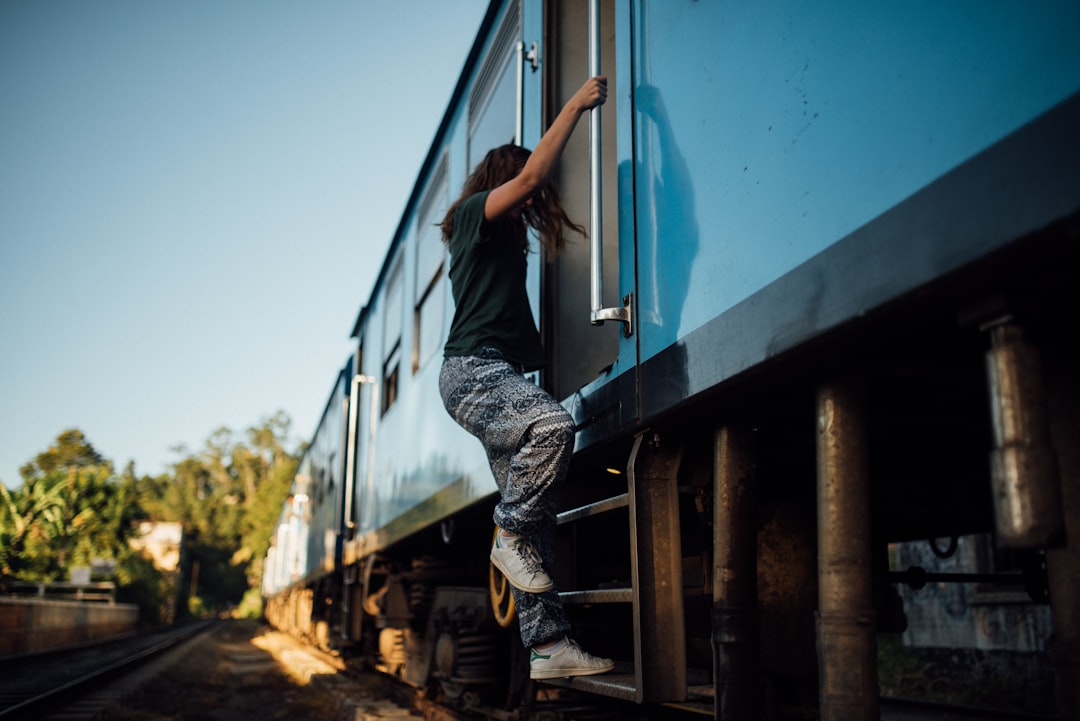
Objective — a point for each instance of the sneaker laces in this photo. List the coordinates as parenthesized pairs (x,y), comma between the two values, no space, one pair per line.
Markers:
(575,649)
(529,556)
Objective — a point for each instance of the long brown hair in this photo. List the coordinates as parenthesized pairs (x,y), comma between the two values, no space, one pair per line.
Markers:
(546,214)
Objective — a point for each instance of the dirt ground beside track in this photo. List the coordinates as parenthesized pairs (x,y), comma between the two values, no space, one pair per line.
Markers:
(244,670)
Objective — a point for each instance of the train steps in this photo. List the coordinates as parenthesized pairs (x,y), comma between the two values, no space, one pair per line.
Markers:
(658,671)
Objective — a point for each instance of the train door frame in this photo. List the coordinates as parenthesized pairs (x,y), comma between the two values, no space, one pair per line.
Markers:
(586,358)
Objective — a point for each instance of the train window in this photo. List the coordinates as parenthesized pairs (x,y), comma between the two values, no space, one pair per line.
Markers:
(429,321)
(391,371)
(331,464)
(493,100)
(430,250)
(395,307)
(430,301)
(317,490)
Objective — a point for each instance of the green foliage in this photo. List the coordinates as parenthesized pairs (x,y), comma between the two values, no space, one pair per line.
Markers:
(195,607)
(73,508)
(140,583)
(71,450)
(228,497)
(251,606)
(70,510)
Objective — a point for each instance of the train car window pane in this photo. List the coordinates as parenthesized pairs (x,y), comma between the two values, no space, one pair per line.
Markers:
(430,297)
(495,125)
(430,249)
(429,322)
(394,308)
(492,103)
(391,373)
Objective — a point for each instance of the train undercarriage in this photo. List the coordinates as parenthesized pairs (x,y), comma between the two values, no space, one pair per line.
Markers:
(733,557)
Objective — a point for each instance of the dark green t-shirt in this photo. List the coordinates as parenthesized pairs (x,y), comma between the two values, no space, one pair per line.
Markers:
(487,276)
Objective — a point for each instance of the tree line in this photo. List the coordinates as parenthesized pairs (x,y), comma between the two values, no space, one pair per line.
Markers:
(74,509)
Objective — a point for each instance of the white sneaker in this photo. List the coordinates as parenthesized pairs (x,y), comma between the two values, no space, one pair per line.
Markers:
(521,564)
(570,660)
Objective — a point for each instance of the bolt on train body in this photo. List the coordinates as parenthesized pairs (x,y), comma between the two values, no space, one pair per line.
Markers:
(825,309)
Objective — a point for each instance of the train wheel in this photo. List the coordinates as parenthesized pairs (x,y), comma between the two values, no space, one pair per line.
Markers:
(502,600)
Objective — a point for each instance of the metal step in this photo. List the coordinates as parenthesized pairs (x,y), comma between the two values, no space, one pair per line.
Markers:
(620,684)
(594,509)
(658,672)
(617,684)
(599,595)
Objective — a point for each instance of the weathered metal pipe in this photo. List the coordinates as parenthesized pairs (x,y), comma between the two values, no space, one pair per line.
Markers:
(1023,468)
(847,650)
(734,634)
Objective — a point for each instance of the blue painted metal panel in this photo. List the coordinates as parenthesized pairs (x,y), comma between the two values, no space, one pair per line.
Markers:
(321,474)
(425,466)
(308,538)
(415,466)
(766,132)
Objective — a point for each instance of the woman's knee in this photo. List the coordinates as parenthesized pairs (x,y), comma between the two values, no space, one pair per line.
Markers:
(554,429)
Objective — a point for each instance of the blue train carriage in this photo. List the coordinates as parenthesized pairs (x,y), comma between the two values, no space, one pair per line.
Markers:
(824,307)
(301,568)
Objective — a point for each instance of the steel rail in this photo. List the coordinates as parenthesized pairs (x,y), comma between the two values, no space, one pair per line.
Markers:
(49,700)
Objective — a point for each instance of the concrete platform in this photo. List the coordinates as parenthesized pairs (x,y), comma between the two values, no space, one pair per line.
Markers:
(29,625)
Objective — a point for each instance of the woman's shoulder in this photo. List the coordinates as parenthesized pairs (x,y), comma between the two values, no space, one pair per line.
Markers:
(474,203)
(469,218)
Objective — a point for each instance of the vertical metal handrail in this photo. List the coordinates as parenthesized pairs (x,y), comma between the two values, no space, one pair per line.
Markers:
(348,522)
(522,55)
(596,257)
(373,416)
(350,457)
(519,118)
(598,313)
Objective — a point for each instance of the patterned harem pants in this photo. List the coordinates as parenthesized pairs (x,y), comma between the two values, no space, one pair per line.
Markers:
(529,439)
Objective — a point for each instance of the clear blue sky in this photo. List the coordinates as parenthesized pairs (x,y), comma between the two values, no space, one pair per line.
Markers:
(195,198)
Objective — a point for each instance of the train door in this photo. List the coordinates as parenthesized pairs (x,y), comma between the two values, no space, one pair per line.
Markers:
(586,355)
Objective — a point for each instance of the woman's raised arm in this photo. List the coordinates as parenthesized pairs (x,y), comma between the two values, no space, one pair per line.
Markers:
(538,168)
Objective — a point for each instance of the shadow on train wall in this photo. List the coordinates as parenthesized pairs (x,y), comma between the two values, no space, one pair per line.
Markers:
(667,227)
(668,239)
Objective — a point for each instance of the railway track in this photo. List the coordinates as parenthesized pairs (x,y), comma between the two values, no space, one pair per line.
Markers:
(896,709)
(77,684)
(590,708)
(72,683)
